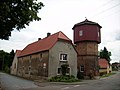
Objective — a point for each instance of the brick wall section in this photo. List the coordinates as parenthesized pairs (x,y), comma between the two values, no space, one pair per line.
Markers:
(87,48)
(32,66)
(90,64)
(88,56)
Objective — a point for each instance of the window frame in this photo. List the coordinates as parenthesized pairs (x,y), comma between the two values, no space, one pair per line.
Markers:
(69,73)
(58,71)
(61,58)
(98,34)
(82,68)
(81,33)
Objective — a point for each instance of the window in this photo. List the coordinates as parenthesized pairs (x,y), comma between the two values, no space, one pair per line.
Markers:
(59,71)
(15,66)
(63,57)
(29,70)
(98,34)
(30,57)
(81,33)
(41,55)
(68,71)
(81,68)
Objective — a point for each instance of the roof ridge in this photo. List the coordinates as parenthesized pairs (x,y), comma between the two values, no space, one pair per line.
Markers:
(43,44)
(60,32)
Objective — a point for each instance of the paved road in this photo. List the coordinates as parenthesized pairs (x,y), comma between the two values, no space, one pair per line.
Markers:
(14,83)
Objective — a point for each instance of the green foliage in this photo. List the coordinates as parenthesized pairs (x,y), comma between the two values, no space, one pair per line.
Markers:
(12,54)
(7,69)
(17,14)
(80,75)
(105,54)
(6,60)
(102,73)
(64,68)
(115,68)
(65,78)
(107,75)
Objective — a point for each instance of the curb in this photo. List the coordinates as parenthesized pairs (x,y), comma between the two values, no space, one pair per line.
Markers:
(42,84)
(66,83)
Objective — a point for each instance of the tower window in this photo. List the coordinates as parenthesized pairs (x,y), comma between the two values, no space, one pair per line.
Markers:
(98,34)
(80,33)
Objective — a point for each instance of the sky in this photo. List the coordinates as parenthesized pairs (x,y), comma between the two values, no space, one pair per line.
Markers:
(61,15)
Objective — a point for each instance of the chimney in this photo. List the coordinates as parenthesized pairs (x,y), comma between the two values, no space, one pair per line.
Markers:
(48,34)
(39,39)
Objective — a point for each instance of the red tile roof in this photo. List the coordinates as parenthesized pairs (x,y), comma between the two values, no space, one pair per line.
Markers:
(44,44)
(17,53)
(103,63)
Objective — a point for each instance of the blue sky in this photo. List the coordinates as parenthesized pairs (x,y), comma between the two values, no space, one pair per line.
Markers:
(61,15)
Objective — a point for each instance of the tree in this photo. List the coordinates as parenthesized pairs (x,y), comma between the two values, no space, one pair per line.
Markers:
(12,54)
(15,14)
(105,54)
(6,60)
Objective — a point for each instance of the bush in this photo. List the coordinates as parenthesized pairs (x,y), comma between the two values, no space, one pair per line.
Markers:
(6,69)
(64,68)
(66,78)
(80,75)
(107,75)
(102,73)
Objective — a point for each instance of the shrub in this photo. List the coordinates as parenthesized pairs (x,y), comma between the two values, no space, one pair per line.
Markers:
(102,73)
(6,69)
(80,75)
(64,68)
(62,78)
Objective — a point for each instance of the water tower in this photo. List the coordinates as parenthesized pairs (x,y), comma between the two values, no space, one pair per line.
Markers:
(87,36)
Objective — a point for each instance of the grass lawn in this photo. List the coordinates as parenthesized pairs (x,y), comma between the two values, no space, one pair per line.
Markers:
(107,75)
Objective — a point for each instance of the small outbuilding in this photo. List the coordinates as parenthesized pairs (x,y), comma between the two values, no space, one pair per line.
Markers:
(104,66)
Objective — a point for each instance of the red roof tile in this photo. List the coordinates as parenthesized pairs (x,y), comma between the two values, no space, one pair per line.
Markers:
(103,63)
(18,53)
(44,44)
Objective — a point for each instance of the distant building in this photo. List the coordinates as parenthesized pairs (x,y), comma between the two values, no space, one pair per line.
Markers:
(43,58)
(87,36)
(104,66)
(15,62)
(116,66)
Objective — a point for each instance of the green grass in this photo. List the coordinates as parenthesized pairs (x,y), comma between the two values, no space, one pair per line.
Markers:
(107,75)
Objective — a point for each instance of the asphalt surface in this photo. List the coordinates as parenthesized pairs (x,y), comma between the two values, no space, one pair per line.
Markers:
(14,83)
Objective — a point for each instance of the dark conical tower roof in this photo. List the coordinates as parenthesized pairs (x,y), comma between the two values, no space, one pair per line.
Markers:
(86,22)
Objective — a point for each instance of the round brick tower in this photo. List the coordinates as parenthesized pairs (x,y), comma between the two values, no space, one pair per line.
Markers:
(87,36)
